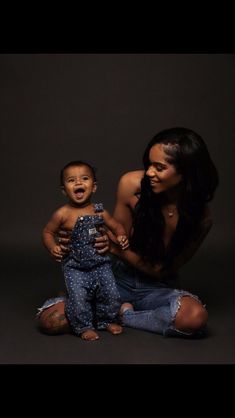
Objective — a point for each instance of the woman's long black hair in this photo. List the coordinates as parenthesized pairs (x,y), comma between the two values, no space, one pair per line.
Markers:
(187,151)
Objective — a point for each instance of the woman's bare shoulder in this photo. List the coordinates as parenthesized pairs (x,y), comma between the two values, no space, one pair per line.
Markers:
(129,186)
(132,179)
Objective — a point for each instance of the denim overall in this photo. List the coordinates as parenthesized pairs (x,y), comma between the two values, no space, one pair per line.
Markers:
(93,297)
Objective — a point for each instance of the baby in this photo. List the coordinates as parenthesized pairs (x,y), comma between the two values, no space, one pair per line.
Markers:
(93,299)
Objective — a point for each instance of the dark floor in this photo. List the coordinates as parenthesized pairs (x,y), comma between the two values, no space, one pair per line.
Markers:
(29,280)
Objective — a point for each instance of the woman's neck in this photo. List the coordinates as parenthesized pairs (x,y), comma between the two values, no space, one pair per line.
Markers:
(172,196)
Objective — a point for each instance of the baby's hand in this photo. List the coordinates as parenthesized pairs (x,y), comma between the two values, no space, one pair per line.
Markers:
(57,253)
(123,241)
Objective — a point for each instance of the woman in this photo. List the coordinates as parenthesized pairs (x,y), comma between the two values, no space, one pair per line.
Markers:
(164,211)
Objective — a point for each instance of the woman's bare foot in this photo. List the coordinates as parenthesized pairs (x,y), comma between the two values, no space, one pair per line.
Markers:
(90,335)
(124,307)
(114,329)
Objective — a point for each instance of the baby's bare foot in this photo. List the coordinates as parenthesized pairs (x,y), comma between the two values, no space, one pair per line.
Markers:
(90,335)
(114,329)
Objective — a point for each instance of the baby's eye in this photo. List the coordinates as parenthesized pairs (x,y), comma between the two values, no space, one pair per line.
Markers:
(85,178)
(70,180)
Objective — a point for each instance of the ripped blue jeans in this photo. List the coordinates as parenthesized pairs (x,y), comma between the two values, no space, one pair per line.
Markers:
(155,303)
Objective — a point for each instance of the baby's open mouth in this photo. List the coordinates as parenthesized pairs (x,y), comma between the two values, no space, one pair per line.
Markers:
(79,192)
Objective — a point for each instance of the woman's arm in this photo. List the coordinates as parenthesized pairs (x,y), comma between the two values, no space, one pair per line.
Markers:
(128,185)
(123,211)
(136,261)
(158,271)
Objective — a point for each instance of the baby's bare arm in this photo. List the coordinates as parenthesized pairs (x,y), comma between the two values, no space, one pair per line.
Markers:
(117,229)
(123,241)
(49,234)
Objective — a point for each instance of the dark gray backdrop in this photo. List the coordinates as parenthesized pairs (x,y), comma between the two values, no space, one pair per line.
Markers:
(104,108)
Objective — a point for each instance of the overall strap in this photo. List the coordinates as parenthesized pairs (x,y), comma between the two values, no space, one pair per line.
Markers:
(98,207)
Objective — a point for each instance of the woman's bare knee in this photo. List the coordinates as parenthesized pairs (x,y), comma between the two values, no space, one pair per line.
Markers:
(191,316)
(199,317)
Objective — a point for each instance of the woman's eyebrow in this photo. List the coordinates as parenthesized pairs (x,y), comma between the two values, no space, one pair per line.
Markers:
(158,162)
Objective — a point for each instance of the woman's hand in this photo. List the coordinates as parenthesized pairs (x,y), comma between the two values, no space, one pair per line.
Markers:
(102,243)
(63,243)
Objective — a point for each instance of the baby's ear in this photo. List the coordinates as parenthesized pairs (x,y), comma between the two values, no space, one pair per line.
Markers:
(63,190)
(94,187)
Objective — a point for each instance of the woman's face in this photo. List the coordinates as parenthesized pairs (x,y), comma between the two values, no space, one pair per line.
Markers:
(162,175)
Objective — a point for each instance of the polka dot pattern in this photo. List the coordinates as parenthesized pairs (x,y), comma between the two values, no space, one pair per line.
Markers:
(93,299)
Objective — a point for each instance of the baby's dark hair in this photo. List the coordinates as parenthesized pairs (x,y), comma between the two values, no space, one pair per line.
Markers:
(77,163)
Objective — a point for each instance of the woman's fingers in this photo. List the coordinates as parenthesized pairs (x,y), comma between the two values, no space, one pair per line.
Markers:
(102,244)
(64,249)
(64,237)
(64,234)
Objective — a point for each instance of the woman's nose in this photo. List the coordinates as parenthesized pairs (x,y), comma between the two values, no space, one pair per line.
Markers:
(150,172)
